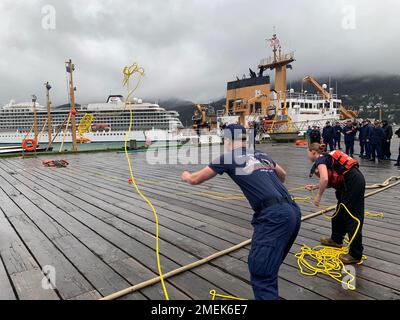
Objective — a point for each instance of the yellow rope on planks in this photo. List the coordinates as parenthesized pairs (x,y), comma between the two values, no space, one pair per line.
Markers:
(326,260)
(234,248)
(374,214)
(214,295)
(128,72)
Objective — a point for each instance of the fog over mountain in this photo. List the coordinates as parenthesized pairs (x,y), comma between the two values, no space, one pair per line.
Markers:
(189,49)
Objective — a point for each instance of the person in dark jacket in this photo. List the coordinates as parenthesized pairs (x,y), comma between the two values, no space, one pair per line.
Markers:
(308,133)
(377,137)
(363,136)
(388,134)
(315,135)
(397,132)
(368,148)
(337,137)
(349,132)
(328,133)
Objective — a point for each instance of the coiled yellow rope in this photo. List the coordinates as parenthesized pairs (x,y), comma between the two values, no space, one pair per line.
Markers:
(85,123)
(326,260)
(128,71)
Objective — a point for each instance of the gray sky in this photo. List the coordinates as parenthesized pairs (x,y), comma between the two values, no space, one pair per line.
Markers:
(188,48)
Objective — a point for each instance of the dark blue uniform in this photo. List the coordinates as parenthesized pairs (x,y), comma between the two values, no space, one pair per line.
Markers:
(308,133)
(349,132)
(363,136)
(376,139)
(328,133)
(398,157)
(388,131)
(276,219)
(368,148)
(336,139)
(315,136)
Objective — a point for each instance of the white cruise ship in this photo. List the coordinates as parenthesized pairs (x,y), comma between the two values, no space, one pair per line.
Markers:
(110,122)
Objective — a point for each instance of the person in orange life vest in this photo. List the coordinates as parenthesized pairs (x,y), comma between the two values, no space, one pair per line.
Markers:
(339,171)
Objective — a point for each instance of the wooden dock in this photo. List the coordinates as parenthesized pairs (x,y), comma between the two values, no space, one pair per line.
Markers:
(87,223)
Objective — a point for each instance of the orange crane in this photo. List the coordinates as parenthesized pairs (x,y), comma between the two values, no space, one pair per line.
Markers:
(317,86)
(344,112)
(204,117)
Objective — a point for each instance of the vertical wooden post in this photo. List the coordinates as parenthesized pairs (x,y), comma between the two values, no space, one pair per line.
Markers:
(49,127)
(70,70)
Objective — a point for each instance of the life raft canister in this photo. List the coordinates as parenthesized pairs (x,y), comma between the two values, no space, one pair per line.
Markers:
(29,144)
(301,142)
(341,164)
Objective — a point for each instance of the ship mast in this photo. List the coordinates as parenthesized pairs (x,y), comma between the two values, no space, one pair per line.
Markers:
(49,128)
(70,69)
(35,123)
(279,62)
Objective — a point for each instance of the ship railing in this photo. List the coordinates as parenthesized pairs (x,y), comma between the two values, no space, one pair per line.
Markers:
(282,57)
(304,96)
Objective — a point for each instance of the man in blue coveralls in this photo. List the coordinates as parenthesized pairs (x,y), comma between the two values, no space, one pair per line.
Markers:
(338,132)
(363,136)
(349,132)
(377,137)
(328,134)
(276,219)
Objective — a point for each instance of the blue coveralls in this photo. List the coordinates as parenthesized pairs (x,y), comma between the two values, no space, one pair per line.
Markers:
(276,219)
(328,133)
(363,137)
(377,136)
(349,132)
(308,133)
(368,148)
(336,139)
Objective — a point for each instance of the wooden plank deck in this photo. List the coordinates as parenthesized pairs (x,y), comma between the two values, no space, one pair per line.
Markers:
(89,224)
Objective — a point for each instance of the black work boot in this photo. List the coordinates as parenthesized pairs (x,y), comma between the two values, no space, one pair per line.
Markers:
(326,241)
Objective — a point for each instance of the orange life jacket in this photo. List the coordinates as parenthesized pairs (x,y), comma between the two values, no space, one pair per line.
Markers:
(341,164)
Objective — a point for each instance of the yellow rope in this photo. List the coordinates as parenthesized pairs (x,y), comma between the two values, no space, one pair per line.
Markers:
(216,255)
(374,214)
(236,195)
(214,294)
(326,260)
(85,123)
(128,72)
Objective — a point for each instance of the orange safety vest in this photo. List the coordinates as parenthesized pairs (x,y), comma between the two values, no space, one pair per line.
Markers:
(341,164)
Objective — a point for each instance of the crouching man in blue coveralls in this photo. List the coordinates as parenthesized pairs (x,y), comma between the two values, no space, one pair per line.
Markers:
(276,219)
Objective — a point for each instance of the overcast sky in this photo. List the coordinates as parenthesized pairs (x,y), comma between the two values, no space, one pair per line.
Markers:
(188,48)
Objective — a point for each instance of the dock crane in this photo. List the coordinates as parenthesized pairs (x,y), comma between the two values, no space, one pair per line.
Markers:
(317,86)
(204,118)
(344,112)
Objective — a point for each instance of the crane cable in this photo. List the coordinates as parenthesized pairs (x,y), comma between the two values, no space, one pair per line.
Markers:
(128,71)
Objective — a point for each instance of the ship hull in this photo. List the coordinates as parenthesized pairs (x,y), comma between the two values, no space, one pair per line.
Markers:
(149,136)
(284,136)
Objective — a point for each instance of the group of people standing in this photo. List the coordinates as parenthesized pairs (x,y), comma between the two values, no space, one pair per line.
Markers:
(374,138)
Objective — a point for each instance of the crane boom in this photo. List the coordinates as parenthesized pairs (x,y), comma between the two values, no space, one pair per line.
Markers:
(317,86)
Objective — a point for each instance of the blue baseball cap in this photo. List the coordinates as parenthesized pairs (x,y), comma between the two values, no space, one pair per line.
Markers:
(235,132)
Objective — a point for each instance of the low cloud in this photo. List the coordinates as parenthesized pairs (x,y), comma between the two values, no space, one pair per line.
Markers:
(189,49)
